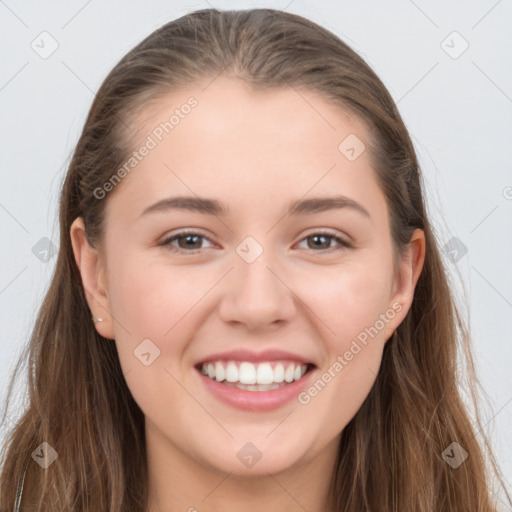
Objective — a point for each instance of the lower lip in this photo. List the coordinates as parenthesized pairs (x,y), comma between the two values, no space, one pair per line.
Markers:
(256,400)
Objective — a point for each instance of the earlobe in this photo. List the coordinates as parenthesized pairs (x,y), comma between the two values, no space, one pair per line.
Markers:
(92,273)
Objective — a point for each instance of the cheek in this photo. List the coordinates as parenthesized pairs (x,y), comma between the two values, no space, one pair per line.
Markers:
(152,302)
(350,304)
(347,298)
(151,298)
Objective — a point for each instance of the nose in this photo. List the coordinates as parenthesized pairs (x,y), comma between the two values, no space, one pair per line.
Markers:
(257,295)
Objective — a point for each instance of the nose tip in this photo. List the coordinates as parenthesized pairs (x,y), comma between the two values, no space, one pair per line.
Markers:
(256,296)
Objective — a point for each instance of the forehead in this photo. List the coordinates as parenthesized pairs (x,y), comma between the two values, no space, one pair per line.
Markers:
(237,115)
(224,138)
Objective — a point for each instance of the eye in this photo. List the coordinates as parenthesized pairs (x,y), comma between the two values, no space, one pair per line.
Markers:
(321,239)
(191,241)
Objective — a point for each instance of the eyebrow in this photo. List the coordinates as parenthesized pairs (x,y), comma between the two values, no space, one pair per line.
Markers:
(213,207)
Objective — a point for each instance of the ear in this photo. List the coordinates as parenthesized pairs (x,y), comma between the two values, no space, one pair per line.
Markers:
(409,270)
(92,271)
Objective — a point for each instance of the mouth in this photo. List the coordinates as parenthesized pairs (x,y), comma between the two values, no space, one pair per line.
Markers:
(255,377)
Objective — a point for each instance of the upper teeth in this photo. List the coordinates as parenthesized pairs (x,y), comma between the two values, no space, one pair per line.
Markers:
(249,373)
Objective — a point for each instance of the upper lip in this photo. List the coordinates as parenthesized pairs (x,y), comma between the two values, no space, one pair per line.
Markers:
(255,357)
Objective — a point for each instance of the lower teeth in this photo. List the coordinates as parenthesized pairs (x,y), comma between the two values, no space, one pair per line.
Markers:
(255,387)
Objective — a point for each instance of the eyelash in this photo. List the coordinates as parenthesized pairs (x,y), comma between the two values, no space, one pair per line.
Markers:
(167,242)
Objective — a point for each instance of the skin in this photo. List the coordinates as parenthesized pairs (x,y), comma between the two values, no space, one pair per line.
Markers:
(256,152)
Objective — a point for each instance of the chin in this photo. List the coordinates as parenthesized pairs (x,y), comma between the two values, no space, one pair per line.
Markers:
(247,458)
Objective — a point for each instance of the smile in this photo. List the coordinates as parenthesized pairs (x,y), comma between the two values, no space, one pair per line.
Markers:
(257,387)
(263,376)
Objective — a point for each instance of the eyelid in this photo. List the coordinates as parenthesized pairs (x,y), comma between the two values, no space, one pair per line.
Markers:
(327,231)
(343,243)
(190,231)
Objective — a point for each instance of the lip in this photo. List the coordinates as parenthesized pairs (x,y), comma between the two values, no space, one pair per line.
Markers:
(257,401)
(253,357)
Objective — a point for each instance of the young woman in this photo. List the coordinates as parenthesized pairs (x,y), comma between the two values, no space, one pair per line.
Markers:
(249,310)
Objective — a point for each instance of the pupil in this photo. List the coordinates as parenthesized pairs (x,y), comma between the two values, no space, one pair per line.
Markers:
(189,238)
(317,237)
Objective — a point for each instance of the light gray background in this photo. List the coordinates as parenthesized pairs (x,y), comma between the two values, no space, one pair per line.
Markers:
(458,109)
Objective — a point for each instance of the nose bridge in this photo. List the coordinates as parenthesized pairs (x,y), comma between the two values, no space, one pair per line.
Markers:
(256,293)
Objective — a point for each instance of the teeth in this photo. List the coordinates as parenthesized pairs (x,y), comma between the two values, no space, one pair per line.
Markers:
(247,373)
(255,387)
(254,377)
(232,372)
(264,374)
(220,373)
(288,374)
(279,373)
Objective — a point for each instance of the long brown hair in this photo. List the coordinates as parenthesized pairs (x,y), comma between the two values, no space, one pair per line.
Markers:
(390,454)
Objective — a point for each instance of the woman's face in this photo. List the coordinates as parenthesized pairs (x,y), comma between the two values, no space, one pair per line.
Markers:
(255,289)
